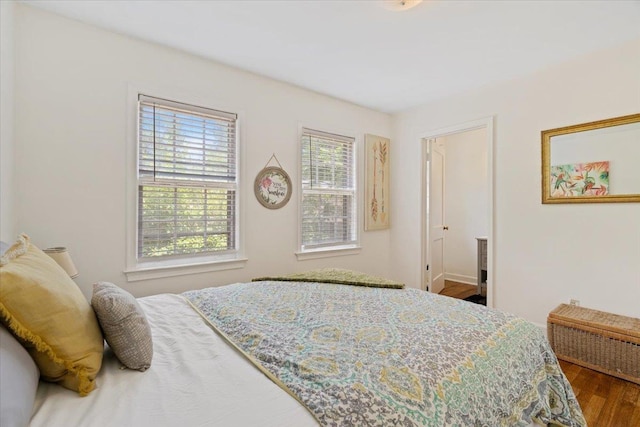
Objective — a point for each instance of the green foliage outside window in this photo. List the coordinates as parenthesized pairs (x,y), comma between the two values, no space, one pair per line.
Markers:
(187,180)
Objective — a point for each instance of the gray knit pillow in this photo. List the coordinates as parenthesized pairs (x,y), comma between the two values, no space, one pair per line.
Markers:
(123,324)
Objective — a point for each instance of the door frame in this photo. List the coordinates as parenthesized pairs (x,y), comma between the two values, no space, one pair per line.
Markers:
(483,123)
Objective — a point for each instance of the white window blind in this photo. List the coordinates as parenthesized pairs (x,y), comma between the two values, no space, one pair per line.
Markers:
(328,190)
(187,179)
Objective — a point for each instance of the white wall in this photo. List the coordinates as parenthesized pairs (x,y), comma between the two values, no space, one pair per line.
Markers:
(7,217)
(544,254)
(71,135)
(465,202)
(70,138)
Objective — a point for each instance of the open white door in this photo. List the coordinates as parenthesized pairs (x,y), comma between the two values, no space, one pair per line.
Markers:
(435,219)
(433,211)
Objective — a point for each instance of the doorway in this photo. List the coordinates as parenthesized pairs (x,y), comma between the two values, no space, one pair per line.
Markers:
(457,205)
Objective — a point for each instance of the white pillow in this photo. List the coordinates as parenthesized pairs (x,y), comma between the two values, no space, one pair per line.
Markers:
(18,382)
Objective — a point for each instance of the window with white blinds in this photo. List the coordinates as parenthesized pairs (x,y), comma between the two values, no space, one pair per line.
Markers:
(187,180)
(328,190)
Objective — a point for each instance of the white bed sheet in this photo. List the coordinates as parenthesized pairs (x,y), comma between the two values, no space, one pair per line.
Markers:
(195,379)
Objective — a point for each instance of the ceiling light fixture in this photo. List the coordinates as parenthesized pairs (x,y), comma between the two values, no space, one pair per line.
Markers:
(400,5)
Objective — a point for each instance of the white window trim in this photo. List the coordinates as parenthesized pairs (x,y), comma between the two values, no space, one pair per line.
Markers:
(328,252)
(339,249)
(144,270)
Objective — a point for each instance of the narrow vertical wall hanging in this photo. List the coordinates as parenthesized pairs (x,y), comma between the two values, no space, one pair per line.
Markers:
(272,186)
(377,195)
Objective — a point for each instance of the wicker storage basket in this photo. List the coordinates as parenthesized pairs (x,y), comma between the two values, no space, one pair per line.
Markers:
(605,342)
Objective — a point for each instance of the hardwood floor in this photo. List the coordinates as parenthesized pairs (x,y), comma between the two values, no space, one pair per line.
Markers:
(458,290)
(606,401)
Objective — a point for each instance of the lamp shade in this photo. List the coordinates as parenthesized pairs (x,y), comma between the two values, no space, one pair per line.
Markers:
(62,257)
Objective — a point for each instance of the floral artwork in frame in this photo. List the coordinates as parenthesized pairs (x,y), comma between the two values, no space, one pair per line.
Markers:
(272,187)
(377,194)
(580,179)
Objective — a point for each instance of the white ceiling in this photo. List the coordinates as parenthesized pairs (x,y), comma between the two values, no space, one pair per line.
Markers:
(361,52)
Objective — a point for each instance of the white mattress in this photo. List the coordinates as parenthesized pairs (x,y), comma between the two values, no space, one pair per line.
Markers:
(196,379)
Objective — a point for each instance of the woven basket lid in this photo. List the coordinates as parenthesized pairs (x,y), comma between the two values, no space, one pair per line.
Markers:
(597,319)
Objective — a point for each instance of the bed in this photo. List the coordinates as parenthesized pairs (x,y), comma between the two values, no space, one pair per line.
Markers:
(196,379)
(308,353)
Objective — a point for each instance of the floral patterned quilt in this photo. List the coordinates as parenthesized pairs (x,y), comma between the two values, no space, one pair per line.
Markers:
(374,356)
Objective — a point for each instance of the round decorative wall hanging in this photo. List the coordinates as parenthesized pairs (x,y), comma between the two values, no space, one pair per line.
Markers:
(273,186)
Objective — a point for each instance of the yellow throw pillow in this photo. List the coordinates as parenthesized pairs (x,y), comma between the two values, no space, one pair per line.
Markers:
(45,309)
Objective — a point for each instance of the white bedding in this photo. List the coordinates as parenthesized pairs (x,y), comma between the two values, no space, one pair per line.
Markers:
(196,379)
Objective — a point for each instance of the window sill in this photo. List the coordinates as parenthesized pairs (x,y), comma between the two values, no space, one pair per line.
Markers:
(328,252)
(142,272)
